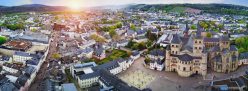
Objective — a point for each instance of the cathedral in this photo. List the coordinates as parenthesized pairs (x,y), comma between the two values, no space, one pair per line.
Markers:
(186,56)
(195,54)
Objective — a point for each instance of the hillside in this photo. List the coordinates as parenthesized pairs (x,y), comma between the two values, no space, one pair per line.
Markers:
(207,8)
(30,8)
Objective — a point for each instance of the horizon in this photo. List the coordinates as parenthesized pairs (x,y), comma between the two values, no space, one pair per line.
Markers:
(95,3)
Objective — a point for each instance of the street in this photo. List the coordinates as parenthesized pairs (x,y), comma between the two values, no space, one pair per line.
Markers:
(43,69)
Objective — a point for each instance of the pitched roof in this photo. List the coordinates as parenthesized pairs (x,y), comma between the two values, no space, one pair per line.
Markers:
(90,75)
(215,48)
(69,87)
(8,86)
(176,39)
(233,48)
(243,55)
(185,57)
(224,38)
(211,39)
(157,52)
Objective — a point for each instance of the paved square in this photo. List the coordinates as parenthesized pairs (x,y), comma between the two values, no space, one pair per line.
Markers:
(138,79)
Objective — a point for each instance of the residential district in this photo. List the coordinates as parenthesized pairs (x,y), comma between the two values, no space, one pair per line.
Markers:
(123,50)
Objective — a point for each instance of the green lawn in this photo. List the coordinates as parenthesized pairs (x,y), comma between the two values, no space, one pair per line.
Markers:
(115,54)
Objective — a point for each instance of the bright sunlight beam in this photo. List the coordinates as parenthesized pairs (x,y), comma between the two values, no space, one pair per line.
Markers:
(74,5)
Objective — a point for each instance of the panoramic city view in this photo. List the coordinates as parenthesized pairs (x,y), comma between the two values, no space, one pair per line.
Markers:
(123,45)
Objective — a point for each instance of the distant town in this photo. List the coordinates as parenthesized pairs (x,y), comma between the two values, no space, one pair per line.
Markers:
(123,50)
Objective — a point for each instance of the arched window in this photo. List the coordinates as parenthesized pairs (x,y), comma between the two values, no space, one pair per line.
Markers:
(184,68)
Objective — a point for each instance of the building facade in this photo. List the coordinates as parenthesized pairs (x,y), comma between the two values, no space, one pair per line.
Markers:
(224,57)
(186,56)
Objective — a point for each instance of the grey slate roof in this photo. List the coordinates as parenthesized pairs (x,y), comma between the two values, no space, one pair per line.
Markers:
(224,38)
(29,70)
(111,80)
(185,57)
(135,53)
(211,39)
(176,39)
(215,48)
(90,75)
(85,65)
(8,86)
(21,80)
(33,61)
(157,52)
(140,32)
(189,44)
(243,55)
(233,48)
(99,50)
(158,61)
(108,66)
(69,87)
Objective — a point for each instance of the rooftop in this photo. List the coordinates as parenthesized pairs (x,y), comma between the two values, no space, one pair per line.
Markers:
(69,87)
(18,45)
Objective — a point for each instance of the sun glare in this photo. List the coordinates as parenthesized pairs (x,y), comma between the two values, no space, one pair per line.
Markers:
(74,5)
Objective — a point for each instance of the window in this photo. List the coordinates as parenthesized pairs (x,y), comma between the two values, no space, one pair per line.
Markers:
(195,41)
(176,46)
(200,42)
(172,45)
(184,68)
(200,48)
(190,69)
(195,47)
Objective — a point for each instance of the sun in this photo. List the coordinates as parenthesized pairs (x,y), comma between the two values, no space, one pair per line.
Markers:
(74,5)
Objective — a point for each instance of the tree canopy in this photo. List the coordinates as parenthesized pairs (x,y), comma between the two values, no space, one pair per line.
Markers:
(3,39)
(242,44)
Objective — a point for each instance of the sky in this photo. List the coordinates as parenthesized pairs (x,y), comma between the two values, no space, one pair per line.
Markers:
(88,3)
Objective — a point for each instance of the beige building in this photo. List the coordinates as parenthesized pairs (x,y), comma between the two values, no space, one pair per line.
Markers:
(224,57)
(186,56)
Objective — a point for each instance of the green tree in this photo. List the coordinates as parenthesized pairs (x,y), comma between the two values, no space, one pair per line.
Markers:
(209,35)
(193,27)
(3,39)
(97,38)
(56,56)
(119,25)
(112,32)
(132,27)
(220,26)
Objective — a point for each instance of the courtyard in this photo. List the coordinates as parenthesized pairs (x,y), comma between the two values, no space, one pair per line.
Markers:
(138,74)
(138,79)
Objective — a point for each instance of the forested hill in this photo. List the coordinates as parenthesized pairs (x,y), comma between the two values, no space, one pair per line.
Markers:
(207,8)
(31,8)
